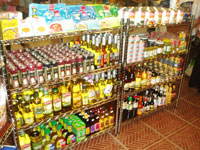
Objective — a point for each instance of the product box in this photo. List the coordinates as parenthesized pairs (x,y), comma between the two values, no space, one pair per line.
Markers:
(39,26)
(25,28)
(9,29)
(11,15)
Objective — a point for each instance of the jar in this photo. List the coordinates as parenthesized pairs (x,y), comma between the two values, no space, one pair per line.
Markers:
(67,66)
(61,69)
(24,75)
(40,73)
(32,75)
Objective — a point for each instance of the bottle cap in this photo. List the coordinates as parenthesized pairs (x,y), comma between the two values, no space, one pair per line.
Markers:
(59,127)
(47,131)
(54,123)
(130,98)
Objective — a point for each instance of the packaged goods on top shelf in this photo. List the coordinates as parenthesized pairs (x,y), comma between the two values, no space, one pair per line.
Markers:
(144,47)
(68,130)
(151,16)
(147,101)
(53,62)
(34,105)
(152,73)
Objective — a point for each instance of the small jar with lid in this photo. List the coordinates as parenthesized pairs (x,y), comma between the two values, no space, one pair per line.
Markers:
(61,68)
(40,73)
(14,77)
(67,66)
(24,75)
(32,75)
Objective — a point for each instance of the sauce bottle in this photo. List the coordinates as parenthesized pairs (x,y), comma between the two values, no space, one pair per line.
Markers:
(70,137)
(140,107)
(65,96)
(37,107)
(47,104)
(57,104)
(54,133)
(60,142)
(48,145)
(36,140)
(111,116)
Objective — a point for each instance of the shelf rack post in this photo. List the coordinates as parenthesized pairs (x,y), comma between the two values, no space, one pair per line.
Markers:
(186,59)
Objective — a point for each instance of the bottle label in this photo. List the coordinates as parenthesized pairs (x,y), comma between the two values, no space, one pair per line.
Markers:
(111,120)
(62,73)
(140,111)
(108,90)
(48,107)
(29,120)
(155,103)
(49,75)
(137,82)
(85,100)
(159,101)
(24,80)
(41,79)
(80,69)
(129,107)
(148,108)
(126,86)
(32,79)
(37,146)
(73,70)
(153,80)
(124,106)
(38,111)
(19,121)
(57,105)
(15,82)
(92,129)
(96,126)
(132,84)
(76,100)
(71,139)
(68,72)
(91,95)
(66,99)
(87,130)
(49,147)
(135,104)
(106,120)
(105,58)
(101,124)
(61,143)
(26,147)
(144,82)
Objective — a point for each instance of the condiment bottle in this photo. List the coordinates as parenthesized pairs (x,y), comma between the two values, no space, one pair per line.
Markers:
(24,76)
(32,75)
(36,140)
(55,70)
(80,64)
(73,63)
(86,65)
(57,104)
(61,69)
(67,66)
(40,73)
(24,141)
(60,142)
(14,77)
(48,144)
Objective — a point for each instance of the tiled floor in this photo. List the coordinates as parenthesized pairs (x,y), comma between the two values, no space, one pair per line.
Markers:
(169,129)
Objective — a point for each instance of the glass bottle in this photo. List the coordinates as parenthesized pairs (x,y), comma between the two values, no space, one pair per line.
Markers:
(115,84)
(69,137)
(57,104)
(87,122)
(97,88)
(28,115)
(65,92)
(47,104)
(67,66)
(98,55)
(144,77)
(140,107)
(42,131)
(76,92)
(92,123)
(124,110)
(130,107)
(37,107)
(101,120)
(18,115)
(138,78)
(115,49)
(106,119)
(54,132)
(109,86)
(135,105)
(132,79)
(96,122)
(111,116)
(91,93)
(60,142)
(102,86)
(110,53)
(48,145)
(84,94)
(36,140)
(104,53)
(126,79)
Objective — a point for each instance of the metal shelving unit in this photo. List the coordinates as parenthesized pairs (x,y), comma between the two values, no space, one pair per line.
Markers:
(129,29)
(63,38)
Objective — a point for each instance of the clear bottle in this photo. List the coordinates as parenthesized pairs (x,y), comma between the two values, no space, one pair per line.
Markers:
(76,92)
(48,145)
(84,94)
(91,93)
(36,140)
(18,115)
(104,53)
(115,84)
(57,103)
(65,92)
(102,86)
(97,88)
(28,115)
(37,107)
(47,104)
(109,86)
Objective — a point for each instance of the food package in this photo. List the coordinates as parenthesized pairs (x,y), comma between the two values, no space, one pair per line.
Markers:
(39,26)
(25,28)
(51,12)
(11,15)
(55,27)
(3,96)
(9,29)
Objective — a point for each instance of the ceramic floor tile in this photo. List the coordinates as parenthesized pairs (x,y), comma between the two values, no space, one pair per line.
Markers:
(137,135)
(186,111)
(195,98)
(187,139)
(163,145)
(103,142)
(197,123)
(164,122)
(187,91)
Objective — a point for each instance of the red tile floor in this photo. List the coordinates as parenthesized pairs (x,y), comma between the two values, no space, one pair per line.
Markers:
(169,129)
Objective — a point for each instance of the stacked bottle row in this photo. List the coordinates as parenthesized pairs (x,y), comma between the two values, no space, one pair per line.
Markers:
(37,104)
(157,44)
(74,128)
(148,101)
(53,62)
(151,73)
